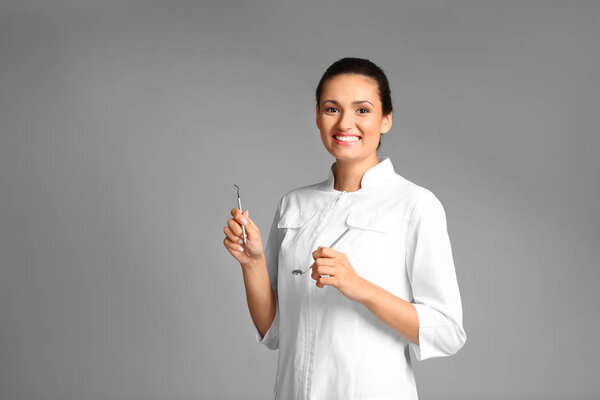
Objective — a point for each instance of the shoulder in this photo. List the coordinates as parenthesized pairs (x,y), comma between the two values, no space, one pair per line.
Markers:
(407,190)
(417,200)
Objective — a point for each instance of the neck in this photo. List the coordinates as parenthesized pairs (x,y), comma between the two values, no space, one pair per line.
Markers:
(349,173)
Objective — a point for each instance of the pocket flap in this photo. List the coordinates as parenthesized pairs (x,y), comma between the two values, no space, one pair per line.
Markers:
(374,220)
(295,218)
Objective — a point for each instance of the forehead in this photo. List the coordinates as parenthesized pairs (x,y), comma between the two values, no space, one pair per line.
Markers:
(350,87)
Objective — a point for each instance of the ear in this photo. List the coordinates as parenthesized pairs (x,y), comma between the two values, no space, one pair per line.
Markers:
(386,123)
(317,115)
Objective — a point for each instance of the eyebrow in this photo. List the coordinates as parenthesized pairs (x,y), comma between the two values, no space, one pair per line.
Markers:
(354,102)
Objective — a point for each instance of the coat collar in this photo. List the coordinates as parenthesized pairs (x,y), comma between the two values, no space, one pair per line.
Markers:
(373,177)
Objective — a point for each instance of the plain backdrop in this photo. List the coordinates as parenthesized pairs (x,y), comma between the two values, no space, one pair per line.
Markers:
(125,124)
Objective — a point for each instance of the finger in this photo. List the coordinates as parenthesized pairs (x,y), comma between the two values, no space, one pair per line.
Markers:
(252,230)
(233,237)
(328,252)
(317,274)
(232,246)
(324,261)
(250,222)
(317,253)
(324,252)
(323,270)
(323,281)
(235,227)
(239,217)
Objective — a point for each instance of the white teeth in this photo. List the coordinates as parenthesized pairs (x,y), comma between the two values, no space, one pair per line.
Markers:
(347,138)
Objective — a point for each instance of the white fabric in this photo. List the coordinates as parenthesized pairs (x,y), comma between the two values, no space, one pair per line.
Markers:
(331,347)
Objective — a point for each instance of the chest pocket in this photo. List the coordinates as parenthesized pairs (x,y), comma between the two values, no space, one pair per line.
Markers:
(376,246)
(373,220)
(295,224)
(295,218)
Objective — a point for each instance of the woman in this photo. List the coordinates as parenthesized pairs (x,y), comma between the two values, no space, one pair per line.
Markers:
(343,329)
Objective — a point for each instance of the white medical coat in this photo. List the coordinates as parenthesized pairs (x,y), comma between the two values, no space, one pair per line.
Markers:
(331,347)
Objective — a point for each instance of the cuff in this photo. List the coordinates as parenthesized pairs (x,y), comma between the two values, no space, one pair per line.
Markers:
(437,336)
(271,338)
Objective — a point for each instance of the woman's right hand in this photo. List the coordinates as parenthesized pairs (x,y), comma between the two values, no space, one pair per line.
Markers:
(234,237)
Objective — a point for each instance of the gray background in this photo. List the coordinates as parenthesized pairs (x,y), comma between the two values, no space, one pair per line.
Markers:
(125,124)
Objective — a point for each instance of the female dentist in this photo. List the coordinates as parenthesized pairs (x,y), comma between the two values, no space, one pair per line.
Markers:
(344,328)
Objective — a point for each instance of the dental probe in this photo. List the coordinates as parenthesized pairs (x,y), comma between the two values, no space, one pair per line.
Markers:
(243,228)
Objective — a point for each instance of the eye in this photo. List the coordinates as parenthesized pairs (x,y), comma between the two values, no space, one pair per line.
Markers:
(330,109)
(362,111)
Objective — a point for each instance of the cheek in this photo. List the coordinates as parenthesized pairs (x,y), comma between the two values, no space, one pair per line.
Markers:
(371,126)
(325,124)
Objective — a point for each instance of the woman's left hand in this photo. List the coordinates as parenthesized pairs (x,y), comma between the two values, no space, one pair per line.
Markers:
(342,275)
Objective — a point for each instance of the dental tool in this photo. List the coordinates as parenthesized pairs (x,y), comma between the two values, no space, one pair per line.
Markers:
(243,228)
(300,272)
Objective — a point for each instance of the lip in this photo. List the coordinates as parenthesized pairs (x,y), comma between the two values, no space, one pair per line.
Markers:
(340,143)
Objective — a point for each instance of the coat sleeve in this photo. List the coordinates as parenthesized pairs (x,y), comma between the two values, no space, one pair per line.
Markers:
(271,249)
(431,271)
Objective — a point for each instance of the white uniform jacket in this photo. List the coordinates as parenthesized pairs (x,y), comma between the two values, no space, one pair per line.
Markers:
(331,347)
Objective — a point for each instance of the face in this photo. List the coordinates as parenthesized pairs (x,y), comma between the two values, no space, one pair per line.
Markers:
(350,109)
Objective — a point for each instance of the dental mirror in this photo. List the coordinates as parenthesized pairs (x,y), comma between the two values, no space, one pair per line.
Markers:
(300,272)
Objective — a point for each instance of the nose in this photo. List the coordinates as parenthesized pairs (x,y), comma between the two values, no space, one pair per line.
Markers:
(345,123)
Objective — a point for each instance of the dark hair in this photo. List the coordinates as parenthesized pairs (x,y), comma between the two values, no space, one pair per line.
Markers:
(360,66)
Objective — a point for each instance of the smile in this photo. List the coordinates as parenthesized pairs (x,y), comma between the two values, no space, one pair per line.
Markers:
(346,140)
